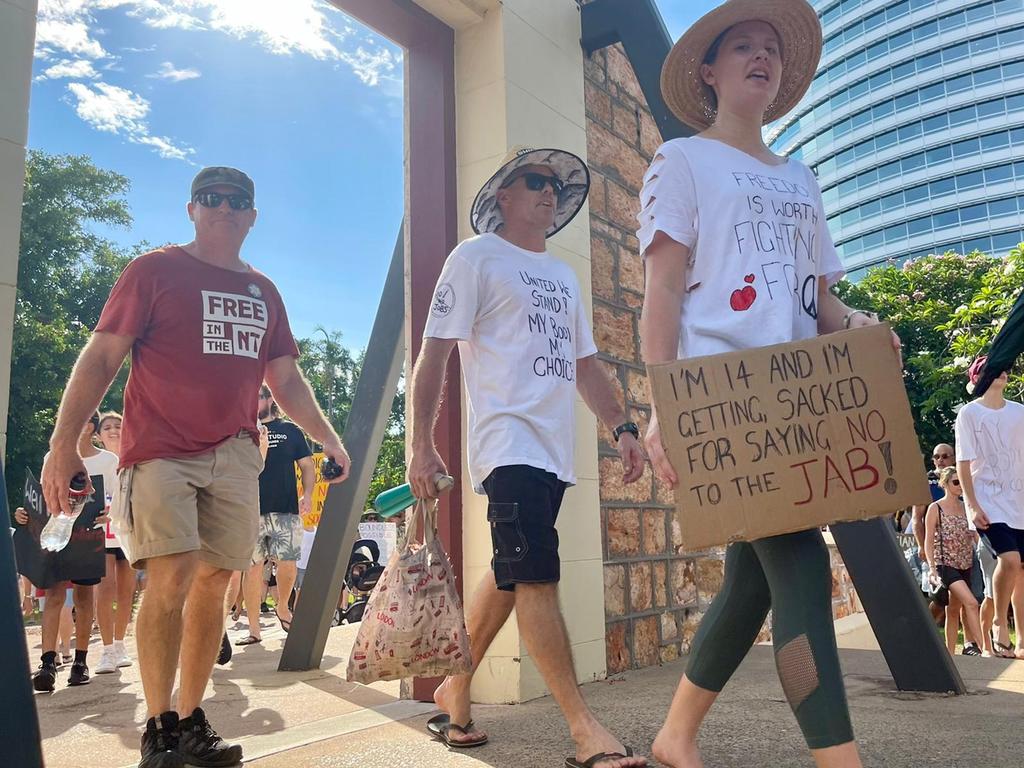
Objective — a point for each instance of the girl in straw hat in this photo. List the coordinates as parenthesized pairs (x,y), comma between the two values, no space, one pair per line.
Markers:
(737,256)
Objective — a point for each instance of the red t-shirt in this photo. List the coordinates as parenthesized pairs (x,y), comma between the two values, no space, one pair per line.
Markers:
(203,336)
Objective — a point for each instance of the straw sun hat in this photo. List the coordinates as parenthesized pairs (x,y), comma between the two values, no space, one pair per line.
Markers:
(572,171)
(693,101)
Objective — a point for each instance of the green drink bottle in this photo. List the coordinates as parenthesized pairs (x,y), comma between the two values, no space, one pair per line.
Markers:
(394,500)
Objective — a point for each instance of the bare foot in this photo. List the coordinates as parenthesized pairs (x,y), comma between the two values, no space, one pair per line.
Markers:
(600,740)
(452,696)
(676,750)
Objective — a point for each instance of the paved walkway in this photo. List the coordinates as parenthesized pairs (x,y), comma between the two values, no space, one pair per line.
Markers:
(315,719)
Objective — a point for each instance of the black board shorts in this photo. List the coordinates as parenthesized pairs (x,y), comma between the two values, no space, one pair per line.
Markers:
(522,506)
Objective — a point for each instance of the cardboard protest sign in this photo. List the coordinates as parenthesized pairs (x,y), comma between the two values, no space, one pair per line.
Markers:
(82,558)
(789,437)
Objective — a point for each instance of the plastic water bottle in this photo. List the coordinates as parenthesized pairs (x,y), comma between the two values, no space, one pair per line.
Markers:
(394,500)
(57,531)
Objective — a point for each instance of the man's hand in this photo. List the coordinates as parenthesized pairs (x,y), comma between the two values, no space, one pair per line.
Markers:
(979,517)
(60,466)
(663,469)
(424,466)
(334,450)
(264,440)
(21,516)
(101,520)
(304,506)
(632,456)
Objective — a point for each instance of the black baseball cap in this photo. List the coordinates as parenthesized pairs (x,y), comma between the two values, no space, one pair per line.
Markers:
(221,174)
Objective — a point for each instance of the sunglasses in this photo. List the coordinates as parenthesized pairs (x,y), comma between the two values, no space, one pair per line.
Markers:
(941,456)
(535,182)
(955,482)
(214,199)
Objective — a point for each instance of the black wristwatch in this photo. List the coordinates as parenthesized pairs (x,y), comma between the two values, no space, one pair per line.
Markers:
(629,426)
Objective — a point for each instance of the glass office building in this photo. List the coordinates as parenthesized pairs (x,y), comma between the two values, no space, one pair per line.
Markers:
(914,125)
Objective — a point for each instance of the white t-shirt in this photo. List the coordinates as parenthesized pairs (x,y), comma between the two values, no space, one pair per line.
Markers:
(757,238)
(521,327)
(307,547)
(993,441)
(104,464)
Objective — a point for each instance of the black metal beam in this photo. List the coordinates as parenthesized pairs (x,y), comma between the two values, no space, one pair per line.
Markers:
(19,726)
(364,432)
(917,658)
(638,25)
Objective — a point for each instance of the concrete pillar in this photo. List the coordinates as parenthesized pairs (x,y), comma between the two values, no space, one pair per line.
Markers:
(17,39)
(519,78)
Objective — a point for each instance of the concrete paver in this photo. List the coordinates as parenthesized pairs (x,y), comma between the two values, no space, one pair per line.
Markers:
(289,720)
(751,725)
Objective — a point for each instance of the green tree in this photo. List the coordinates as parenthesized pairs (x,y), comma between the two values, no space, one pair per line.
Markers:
(919,299)
(65,273)
(975,323)
(333,373)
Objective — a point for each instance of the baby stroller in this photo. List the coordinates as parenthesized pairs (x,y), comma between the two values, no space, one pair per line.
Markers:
(364,570)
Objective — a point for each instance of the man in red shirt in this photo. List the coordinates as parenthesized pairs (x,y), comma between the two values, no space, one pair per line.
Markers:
(204,330)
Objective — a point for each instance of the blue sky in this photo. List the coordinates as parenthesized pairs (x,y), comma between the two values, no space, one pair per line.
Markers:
(306,100)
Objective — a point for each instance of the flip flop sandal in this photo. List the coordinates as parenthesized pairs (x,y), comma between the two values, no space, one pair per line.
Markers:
(440,726)
(593,760)
(250,640)
(285,625)
(225,650)
(1002,650)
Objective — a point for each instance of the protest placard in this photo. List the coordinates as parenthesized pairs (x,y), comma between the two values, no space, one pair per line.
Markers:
(84,555)
(320,486)
(789,437)
(384,533)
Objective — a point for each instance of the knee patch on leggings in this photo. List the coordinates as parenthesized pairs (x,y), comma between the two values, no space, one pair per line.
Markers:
(797,670)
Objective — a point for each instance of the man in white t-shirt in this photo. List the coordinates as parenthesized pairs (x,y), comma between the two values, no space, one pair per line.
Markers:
(98,462)
(526,348)
(990,463)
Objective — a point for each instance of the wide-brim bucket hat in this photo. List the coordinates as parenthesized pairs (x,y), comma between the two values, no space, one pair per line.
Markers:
(486,216)
(693,101)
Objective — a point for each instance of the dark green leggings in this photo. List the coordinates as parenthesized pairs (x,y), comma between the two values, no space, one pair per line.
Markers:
(791,575)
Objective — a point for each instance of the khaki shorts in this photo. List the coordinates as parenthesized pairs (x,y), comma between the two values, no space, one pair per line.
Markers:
(207,503)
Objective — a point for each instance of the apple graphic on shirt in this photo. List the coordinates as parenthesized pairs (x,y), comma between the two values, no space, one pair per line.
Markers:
(743,298)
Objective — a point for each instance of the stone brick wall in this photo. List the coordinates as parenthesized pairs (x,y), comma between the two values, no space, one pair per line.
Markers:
(655,592)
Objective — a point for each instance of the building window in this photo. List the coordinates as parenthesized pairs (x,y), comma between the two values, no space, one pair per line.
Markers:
(973,213)
(1002,207)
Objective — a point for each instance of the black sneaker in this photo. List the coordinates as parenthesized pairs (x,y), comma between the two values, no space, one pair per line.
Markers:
(45,678)
(970,650)
(225,650)
(160,743)
(200,745)
(79,674)
(264,608)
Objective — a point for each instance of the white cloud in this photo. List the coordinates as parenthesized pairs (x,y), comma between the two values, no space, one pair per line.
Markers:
(123,112)
(168,71)
(370,66)
(312,28)
(78,69)
(66,35)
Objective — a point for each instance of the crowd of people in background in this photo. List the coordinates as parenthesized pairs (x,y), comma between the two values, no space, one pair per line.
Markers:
(967,544)
(107,606)
(206,498)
